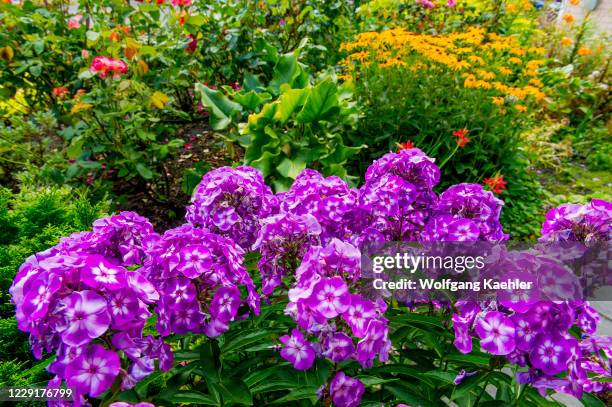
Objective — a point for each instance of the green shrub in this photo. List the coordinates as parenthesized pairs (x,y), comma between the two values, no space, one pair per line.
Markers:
(293,123)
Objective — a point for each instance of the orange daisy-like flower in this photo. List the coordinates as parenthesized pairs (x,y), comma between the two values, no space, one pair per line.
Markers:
(584,51)
(406,145)
(496,183)
(569,18)
(574,2)
(566,41)
(461,137)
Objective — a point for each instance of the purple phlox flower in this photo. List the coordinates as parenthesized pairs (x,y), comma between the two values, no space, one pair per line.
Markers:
(550,353)
(330,297)
(346,391)
(86,317)
(224,305)
(283,241)
(337,347)
(231,202)
(497,333)
(462,375)
(297,350)
(376,341)
(93,372)
(359,314)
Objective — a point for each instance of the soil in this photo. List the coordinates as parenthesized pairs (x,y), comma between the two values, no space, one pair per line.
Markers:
(164,202)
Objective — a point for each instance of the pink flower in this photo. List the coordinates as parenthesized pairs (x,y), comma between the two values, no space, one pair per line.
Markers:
(297,350)
(75,22)
(179,3)
(451,3)
(84,54)
(496,332)
(104,65)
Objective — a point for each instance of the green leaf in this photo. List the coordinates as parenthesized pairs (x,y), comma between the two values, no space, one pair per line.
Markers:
(251,100)
(291,168)
(192,397)
(221,108)
(402,394)
(589,400)
(144,171)
(304,392)
(288,102)
(75,148)
(322,103)
(39,46)
(237,391)
(288,70)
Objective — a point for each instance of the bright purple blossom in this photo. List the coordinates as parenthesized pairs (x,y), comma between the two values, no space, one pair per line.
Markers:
(346,391)
(496,332)
(330,297)
(550,353)
(231,202)
(93,372)
(297,350)
(282,241)
(198,274)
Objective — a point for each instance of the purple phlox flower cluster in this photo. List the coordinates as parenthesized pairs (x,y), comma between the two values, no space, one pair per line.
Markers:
(466,212)
(539,337)
(78,297)
(231,202)
(584,223)
(282,241)
(329,200)
(198,275)
(340,325)
(397,197)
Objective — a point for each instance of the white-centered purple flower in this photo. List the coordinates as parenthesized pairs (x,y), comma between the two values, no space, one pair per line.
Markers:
(346,391)
(93,372)
(550,353)
(86,317)
(330,297)
(497,333)
(297,350)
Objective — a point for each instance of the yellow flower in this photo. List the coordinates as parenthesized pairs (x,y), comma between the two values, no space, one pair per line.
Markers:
(498,100)
(505,71)
(584,51)
(569,18)
(566,41)
(535,82)
(511,8)
(80,106)
(521,108)
(515,60)
(159,100)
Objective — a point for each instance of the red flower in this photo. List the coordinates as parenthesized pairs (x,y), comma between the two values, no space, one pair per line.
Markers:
(461,137)
(235,86)
(406,145)
(60,92)
(496,183)
(192,45)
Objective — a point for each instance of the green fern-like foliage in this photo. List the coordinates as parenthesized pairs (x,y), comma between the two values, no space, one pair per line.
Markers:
(32,221)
